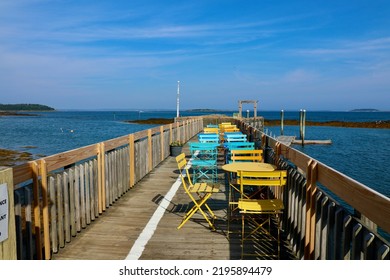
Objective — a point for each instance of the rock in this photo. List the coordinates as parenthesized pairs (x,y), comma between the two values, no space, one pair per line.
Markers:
(11,158)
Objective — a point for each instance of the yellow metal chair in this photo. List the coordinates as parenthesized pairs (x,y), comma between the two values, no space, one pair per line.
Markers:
(211,130)
(202,190)
(242,156)
(256,212)
(231,129)
(246,155)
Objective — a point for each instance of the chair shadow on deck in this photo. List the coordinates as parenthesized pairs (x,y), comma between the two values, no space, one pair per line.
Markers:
(216,205)
(260,248)
(263,248)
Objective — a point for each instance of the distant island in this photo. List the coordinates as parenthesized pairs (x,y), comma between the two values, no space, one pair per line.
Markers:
(25,107)
(364,110)
(15,109)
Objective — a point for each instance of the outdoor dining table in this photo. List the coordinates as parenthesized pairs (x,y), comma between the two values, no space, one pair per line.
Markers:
(248,166)
(245,166)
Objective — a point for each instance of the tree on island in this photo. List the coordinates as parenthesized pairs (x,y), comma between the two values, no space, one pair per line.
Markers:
(25,107)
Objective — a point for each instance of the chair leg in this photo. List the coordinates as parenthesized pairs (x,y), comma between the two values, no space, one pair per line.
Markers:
(188,215)
(242,235)
(198,207)
(278,229)
(232,208)
(210,211)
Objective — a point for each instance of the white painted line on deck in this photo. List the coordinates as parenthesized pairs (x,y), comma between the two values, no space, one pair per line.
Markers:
(143,239)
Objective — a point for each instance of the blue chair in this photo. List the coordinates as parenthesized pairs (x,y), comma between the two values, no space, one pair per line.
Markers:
(204,161)
(212,125)
(229,146)
(235,137)
(239,145)
(208,138)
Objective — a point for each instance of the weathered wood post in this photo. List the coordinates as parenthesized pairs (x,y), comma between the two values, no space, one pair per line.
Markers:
(302,123)
(303,127)
(310,226)
(281,122)
(7,216)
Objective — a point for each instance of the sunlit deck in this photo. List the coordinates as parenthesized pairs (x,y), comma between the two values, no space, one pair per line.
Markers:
(131,228)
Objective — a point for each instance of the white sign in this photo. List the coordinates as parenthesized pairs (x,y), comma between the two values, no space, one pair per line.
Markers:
(3,212)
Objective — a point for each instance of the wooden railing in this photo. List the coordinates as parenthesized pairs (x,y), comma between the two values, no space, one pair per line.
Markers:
(56,197)
(328,215)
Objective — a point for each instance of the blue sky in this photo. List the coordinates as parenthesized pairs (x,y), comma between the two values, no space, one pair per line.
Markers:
(91,54)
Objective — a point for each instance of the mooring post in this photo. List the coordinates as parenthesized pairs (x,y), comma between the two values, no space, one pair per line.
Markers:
(302,122)
(281,122)
(303,127)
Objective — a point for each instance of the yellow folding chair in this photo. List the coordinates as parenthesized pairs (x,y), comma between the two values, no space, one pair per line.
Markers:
(256,212)
(203,191)
(242,156)
(246,155)
(231,129)
(211,130)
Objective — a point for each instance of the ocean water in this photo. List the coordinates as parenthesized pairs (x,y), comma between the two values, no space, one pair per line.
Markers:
(360,153)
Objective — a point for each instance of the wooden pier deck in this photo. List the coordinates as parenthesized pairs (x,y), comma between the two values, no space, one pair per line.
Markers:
(127,228)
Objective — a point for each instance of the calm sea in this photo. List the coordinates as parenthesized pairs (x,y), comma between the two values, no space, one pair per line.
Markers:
(362,154)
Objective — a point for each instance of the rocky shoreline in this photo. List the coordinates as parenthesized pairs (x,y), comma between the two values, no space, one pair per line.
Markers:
(7,113)
(11,158)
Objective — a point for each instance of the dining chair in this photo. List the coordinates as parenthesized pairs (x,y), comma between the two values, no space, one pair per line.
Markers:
(231,129)
(203,191)
(228,127)
(257,211)
(204,161)
(211,130)
(208,137)
(240,156)
(246,155)
(229,146)
(210,125)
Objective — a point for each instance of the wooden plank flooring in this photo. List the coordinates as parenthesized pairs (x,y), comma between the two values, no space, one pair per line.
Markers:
(113,234)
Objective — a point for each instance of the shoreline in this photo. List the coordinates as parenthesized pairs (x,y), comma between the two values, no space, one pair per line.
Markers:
(13,114)
(152,121)
(10,158)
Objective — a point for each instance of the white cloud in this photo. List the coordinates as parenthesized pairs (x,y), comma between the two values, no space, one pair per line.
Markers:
(350,48)
(299,76)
